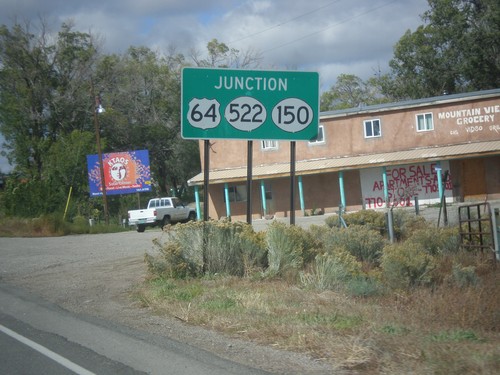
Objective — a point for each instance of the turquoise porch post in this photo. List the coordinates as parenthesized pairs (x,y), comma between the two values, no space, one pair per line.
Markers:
(301,196)
(226,195)
(197,199)
(263,195)
(439,180)
(386,188)
(342,192)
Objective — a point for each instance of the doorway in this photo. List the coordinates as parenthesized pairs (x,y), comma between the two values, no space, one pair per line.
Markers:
(474,179)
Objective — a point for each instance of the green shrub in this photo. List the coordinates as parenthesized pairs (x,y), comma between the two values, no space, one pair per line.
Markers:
(80,225)
(253,250)
(332,221)
(405,223)
(172,263)
(318,232)
(196,248)
(407,265)
(232,248)
(362,242)
(330,272)
(189,238)
(363,286)
(350,264)
(372,219)
(223,253)
(284,248)
(311,245)
(80,221)
(436,241)
(464,276)
(51,224)
(339,270)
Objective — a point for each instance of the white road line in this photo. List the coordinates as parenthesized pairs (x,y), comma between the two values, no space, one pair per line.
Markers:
(46,352)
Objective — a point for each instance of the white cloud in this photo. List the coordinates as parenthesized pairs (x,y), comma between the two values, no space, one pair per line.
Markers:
(331,36)
(328,36)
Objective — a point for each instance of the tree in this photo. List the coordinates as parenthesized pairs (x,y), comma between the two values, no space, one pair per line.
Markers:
(47,89)
(456,50)
(220,55)
(483,64)
(141,93)
(25,84)
(44,97)
(350,91)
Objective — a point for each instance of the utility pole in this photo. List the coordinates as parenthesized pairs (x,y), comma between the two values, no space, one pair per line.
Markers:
(99,109)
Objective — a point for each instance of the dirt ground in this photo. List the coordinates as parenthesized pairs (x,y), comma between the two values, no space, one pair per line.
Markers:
(96,274)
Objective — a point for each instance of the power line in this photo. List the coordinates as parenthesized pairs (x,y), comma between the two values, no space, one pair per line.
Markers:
(285,22)
(331,26)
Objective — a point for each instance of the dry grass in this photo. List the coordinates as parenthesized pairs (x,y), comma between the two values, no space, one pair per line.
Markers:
(448,330)
(50,226)
(18,227)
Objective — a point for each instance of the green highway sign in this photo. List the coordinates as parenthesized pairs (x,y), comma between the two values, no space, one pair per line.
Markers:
(249,104)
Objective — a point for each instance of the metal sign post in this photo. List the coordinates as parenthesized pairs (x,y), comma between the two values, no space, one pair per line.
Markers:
(292,183)
(206,171)
(249,181)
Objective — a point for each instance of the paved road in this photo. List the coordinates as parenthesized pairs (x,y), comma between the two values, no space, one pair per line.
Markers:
(95,345)
(63,269)
(29,351)
(78,288)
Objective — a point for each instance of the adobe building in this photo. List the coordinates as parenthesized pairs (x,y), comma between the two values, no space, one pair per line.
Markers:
(367,157)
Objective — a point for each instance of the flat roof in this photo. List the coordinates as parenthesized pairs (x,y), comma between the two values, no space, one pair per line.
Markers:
(425,102)
(324,165)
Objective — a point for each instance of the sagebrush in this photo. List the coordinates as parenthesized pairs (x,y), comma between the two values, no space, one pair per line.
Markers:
(345,295)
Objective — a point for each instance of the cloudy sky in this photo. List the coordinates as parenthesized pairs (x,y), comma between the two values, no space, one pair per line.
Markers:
(330,37)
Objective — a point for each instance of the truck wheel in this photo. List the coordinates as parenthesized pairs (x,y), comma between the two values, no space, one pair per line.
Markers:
(192,216)
(141,228)
(165,221)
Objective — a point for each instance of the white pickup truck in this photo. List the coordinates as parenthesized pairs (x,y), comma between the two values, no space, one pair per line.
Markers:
(160,212)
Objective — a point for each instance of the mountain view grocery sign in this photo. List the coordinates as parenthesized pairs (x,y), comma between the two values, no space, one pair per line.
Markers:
(404,183)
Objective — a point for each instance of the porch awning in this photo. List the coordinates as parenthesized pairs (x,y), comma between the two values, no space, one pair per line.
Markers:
(325,165)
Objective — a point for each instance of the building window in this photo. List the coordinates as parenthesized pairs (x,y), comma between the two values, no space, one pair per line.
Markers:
(372,128)
(236,193)
(269,145)
(320,138)
(268,193)
(424,122)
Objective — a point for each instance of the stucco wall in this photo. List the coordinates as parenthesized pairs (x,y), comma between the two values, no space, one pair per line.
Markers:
(321,193)
(472,121)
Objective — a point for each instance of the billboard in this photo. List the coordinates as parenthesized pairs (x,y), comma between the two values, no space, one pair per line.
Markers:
(124,173)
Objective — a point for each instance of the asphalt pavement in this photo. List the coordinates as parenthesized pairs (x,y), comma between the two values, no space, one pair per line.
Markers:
(85,345)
